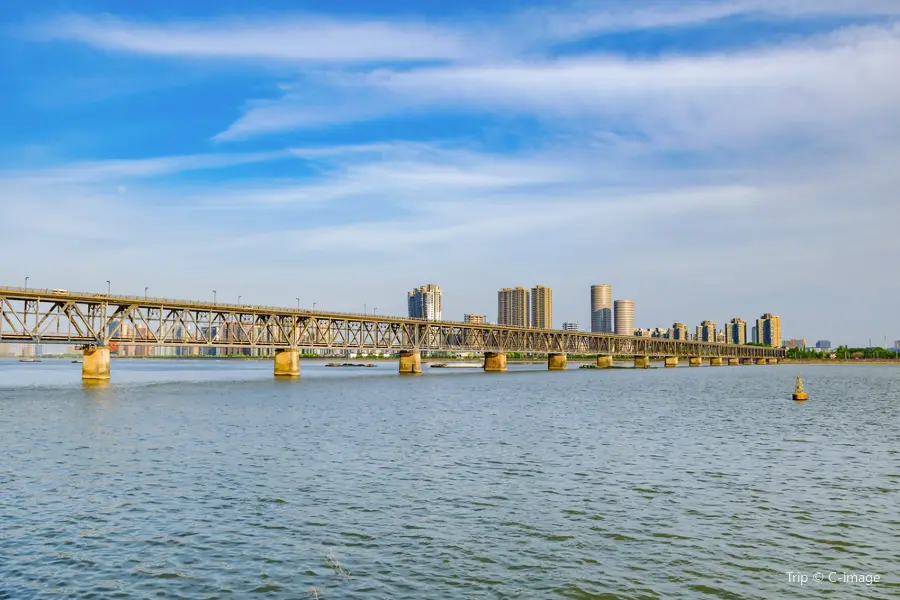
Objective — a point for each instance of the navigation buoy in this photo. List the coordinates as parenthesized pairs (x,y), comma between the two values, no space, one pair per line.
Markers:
(799,394)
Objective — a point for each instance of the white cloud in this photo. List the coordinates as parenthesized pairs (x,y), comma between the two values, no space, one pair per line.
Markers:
(837,82)
(103,170)
(296,38)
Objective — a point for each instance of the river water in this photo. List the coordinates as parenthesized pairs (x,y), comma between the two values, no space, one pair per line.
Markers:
(196,479)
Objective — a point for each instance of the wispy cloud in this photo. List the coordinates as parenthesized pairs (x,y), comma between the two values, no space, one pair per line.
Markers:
(297,38)
(693,101)
(142,168)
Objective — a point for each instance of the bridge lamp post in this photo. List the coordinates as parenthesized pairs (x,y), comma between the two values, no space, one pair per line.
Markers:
(26,282)
(214,296)
(108,288)
(314,306)
(365,309)
(239,299)
(298,303)
(374,312)
(145,292)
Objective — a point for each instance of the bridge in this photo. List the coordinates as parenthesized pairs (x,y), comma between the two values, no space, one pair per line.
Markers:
(98,321)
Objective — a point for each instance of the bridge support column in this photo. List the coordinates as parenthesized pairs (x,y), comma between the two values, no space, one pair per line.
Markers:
(733,362)
(695,361)
(772,361)
(287,363)
(495,362)
(715,362)
(760,361)
(410,362)
(556,362)
(95,364)
(604,362)
(748,361)
(671,362)
(641,362)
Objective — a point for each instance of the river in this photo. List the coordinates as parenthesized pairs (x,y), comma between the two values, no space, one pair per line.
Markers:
(211,479)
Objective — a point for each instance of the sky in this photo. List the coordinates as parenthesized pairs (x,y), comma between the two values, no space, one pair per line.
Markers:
(707,159)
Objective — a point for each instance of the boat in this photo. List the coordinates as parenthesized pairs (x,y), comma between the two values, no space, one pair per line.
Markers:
(29,360)
(799,394)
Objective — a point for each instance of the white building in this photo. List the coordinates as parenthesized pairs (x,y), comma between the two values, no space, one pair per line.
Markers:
(426,303)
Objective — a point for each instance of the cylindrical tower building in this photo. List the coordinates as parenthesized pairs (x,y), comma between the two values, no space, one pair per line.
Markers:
(624,317)
(601,309)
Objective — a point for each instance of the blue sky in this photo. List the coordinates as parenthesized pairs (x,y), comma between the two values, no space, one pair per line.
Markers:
(707,159)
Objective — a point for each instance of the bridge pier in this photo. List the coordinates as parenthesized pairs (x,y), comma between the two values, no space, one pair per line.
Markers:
(495,362)
(760,361)
(641,362)
(287,363)
(557,362)
(733,362)
(604,362)
(410,362)
(95,364)
(772,361)
(695,361)
(671,362)
(715,361)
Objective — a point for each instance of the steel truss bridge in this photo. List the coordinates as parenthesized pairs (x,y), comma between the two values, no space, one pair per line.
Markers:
(63,317)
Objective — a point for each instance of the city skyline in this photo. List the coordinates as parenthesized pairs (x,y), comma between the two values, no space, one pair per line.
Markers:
(345,152)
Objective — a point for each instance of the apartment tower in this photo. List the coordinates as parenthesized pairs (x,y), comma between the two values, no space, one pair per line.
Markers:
(706,332)
(541,307)
(624,317)
(512,307)
(426,303)
(601,309)
(736,332)
(768,330)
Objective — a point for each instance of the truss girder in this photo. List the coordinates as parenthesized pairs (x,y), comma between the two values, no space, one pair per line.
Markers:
(52,318)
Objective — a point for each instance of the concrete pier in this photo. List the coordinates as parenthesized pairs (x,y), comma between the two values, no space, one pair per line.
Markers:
(760,361)
(287,363)
(410,362)
(772,361)
(671,362)
(557,362)
(495,362)
(695,361)
(748,361)
(95,364)
(715,362)
(604,362)
(641,362)
(733,362)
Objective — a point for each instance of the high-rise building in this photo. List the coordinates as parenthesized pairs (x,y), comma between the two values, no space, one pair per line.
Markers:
(425,303)
(624,317)
(678,332)
(896,344)
(474,319)
(601,309)
(541,307)
(512,307)
(755,335)
(736,332)
(570,326)
(795,343)
(706,332)
(768,330)
(826,345)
